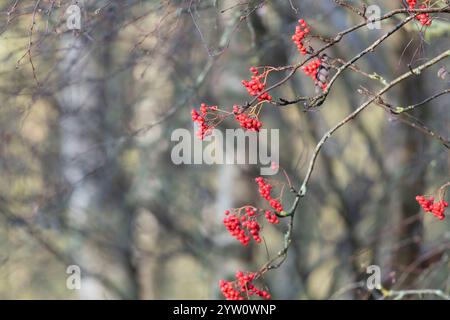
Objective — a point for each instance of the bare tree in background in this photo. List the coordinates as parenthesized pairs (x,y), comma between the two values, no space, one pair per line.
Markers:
(85,148)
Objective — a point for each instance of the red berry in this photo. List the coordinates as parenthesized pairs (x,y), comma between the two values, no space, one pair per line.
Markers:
(436,208)
(204,120)
(423,18)
(248,122)
(301,31)
(264,191)
(255,86)
(242,287)
(312,70)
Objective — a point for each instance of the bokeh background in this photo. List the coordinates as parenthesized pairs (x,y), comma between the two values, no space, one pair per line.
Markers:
(86,175)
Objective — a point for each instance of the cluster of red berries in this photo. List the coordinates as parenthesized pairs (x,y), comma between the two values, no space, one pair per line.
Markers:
(301,31)
(264,190)
(244,225)
(436,208)
(423,18)
(248,122)
(271,217)
(411,4)
(205,126)
(237,224)
(312,69)
(255,86)
(242,287)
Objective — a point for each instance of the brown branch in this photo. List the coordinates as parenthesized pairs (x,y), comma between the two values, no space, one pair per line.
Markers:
(399,110)
(414,123)
(319,99)
(339,36)
(418,125)
(351,8)
(30,43)
(399,294)
(329,133)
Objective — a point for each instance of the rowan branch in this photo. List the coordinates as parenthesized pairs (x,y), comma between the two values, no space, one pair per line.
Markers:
(329,133)
(399,110)
(337,38)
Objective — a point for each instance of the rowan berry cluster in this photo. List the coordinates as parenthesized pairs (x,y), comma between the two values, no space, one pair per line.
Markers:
(243,225)
(248,122)
(271,217)
(201,118)
(423,18)
(436,208)
(264,190)
(242,288)
(301,31)
(257,85)
(312,70)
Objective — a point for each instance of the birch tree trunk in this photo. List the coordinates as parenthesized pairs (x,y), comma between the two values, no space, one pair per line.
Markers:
(91,128)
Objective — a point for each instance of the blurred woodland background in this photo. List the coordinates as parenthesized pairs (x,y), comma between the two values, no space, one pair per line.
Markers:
(86,176)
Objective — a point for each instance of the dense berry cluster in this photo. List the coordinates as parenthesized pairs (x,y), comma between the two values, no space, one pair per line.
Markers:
(301,31)
(205,125)
(423,18)
(257,85)
(312,69)
(436,208)
(243,225)
(242,288)
(248,122)
(264,190)
(271,217)
(411,3)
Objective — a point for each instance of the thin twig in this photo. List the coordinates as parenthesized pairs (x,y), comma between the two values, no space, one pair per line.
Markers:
(398,110)
(339,36)
(399,294)
(329,133)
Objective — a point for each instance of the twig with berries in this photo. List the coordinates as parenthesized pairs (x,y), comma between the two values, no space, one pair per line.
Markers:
(436,208)
(319,99)
(329,133)
(242,223)
(242,288)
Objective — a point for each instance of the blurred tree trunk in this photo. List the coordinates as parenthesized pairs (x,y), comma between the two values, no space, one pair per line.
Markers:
(91,124)
(411,172)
